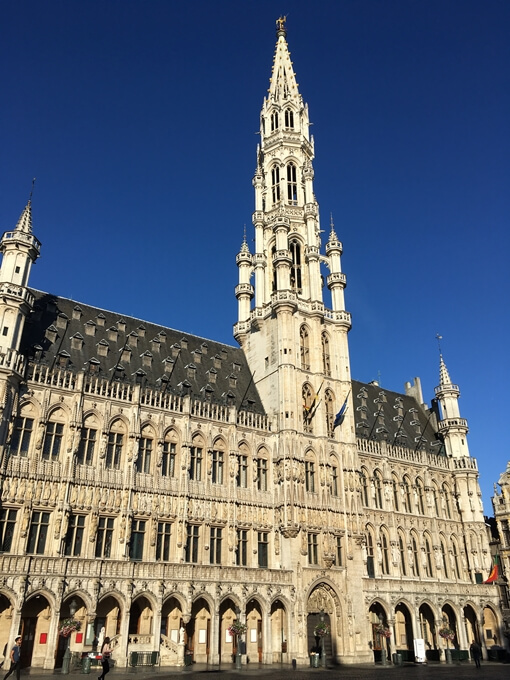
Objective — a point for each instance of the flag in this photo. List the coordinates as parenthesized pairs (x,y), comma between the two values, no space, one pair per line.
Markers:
(309,411)
(339,418)
(493,576)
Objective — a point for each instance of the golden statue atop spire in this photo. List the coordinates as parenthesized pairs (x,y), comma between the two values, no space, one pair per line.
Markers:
(280,26)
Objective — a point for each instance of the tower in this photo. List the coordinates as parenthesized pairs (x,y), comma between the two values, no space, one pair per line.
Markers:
(452,427)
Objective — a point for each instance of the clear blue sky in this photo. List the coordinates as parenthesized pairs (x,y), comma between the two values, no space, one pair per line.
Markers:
(139,119)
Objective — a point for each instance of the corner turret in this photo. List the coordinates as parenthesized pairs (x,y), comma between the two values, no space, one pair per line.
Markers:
(452,427)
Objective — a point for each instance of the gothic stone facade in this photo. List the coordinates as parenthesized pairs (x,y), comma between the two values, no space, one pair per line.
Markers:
(151,484)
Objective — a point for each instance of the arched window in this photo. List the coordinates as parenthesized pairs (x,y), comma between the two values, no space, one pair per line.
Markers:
(116,440)
(291,184)
(428,557)
(420,505)
(262,470)
(242,467)
(88,441)
(308,404)
(275,184)
(295,270)
(145,449)
(415,556)
(334,476)
(402,553)
(326,364)
(304,348)
(329,403)
(274,121)
(455,560)
(363,478)
(394,486)
(385,553)
(289,118)
(447,501)
(54,436)
(378,495)
(435,499)
(407,495)
(370,554)
(274,283)
(444,559)
(310,472)
(169,455)
(218,462)
(196,459)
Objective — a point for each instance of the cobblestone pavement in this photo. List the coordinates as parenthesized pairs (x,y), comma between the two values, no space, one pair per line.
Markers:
(488,671)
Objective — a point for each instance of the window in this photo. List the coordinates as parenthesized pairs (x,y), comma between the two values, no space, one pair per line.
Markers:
(428,558)
(242,470)
(163,541)
(38,532)
(215,545)
(289,118)
(22,433)
(435,497)
(217,467)
(262,474)
(168,460)
(394,485)
(143,462)
(407,496)
(262,548)
(74,536)
(339,552)
(104,537)
(137,539)
(364,486)
(419,497)
(370,556)
(447,501)
(291,184)
(378,490)
(416,557)
(53,441)
(310,476)
(191,548)
(7,524)
(114,450)
(326,362)
(195,467)
(87,446)
(242,547)
(275,184)
(274,121)
(329,401)
(295,270)
(402,553)
(385,553)
(334,478)
(304,348)
(455,561)
(313,553)
(444,560)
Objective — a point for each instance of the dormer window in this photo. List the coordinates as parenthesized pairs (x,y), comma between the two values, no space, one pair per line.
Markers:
(184,343)
(175,350)
(100,320)
(63,359)
(62,321)
(212,375)
(146,359)
(51,333)
(77,341)
(205,348)
(38,350)
(121,325)
(139,376)
(236,367)
(141,330)
(93,366)
(77,312)
(133,339)
(155,344)
(126,355)
(191,371)
(168,364)
(102,348)
(113,334)
(162,336)
(274,121)
(232,380)
(289,118)
(217,361)
(197,356)
(90,328)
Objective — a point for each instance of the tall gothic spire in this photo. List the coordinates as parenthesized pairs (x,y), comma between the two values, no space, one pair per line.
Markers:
(283,86)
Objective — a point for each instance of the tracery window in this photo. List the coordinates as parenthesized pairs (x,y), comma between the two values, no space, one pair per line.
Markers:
(242,467)
(54,437)
(435,499)
(455,560)
(385,553)
(275,184)
(407,495)
(289,118)
(447,501)
(295,270)
(262,471)
(88,440)
(364,486)
(370,554)
(428,557)
(310,473)
(326,363)
(145,448)
(329,404)
(334,477)
(169,457)
(415,556)
(21,435)
(196,458)
(115,445)
(395,487)
(274,121)
(444,559)
(419,497)
(402,553)
(217,463)
(304,348)
(291,184)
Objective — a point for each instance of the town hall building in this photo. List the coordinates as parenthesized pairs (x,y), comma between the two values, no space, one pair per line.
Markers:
(158,487)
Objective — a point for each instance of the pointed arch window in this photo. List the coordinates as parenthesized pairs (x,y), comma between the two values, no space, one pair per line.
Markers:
(242,467)
(364,486)
(295,270)
(307,395)
(196,459)
(275,184)
(289,118)
(21,436)
(54,437)
(407,495)
(435,499)
(447,501)
(428,558)
(274,282)
(169,458)
(402,552)
(310,473)
(334,476)
(326,363)
(274,121)
(455,560)
(444,559)
(145,449)
(329,403)
(115,445)
(370,554)
(291,184)
(304,348)
(218,462)
(419,497)
(378,484)
(385,553)
(88,440)
(416,556)
(394,485)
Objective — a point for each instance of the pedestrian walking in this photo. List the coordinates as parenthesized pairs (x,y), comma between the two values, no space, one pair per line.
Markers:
(106,652)
(476,653)
(15,657)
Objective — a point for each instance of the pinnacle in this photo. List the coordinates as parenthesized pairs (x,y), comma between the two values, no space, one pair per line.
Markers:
(24,223)
(444,376)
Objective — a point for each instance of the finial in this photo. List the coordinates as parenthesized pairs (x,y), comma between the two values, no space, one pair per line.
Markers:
(439,338)
(280,27)
(32,189)
(244,235)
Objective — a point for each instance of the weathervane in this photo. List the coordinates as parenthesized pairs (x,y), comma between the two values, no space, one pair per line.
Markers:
(280,26)
(439,338)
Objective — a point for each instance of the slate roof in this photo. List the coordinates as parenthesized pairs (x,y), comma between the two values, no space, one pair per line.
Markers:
(383,415)
(76,336)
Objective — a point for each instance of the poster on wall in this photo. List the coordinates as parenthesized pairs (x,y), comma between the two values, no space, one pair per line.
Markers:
(89,636)
(202,637)
(253,635)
